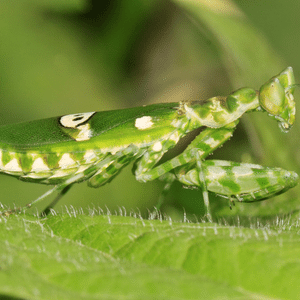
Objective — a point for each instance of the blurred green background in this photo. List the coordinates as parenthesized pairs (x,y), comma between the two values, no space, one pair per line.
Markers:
(68,56)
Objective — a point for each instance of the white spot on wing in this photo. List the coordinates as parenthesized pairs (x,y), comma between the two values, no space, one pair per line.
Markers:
(79,122)
(39,165)
(73,120)
(85,133)
(143,122)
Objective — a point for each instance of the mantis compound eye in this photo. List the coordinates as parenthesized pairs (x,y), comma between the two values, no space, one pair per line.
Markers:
(272,97)
(276,97)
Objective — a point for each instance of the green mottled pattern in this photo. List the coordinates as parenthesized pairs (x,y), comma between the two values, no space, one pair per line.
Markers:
(242,182)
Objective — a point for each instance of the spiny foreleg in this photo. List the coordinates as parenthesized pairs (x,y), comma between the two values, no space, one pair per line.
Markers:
(203,145)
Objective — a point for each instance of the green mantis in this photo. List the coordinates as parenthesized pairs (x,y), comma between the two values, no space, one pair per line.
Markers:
(96,146)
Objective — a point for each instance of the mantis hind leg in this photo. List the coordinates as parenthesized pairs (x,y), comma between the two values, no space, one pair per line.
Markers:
(202,181)
(22,209)
(169,178)
(47,210)
(62,188)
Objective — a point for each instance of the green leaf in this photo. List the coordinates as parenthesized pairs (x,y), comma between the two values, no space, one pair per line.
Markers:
(74,256)
(39,261)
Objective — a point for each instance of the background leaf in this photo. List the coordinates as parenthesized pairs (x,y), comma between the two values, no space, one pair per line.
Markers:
(74,256)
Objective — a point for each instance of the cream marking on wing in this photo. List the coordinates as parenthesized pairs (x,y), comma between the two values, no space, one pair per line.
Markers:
(66,161)
(85,132)
(39,165)
(76,121)
(73,120)
(143,123)
(13,166)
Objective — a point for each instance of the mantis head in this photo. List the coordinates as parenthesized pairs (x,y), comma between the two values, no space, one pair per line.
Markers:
(276,97)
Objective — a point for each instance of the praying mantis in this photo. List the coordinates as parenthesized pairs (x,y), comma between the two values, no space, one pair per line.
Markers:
(96,146)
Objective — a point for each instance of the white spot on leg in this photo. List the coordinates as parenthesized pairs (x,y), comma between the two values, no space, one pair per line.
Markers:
(243,171)
(143,123)
(215,173)
(212,142)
